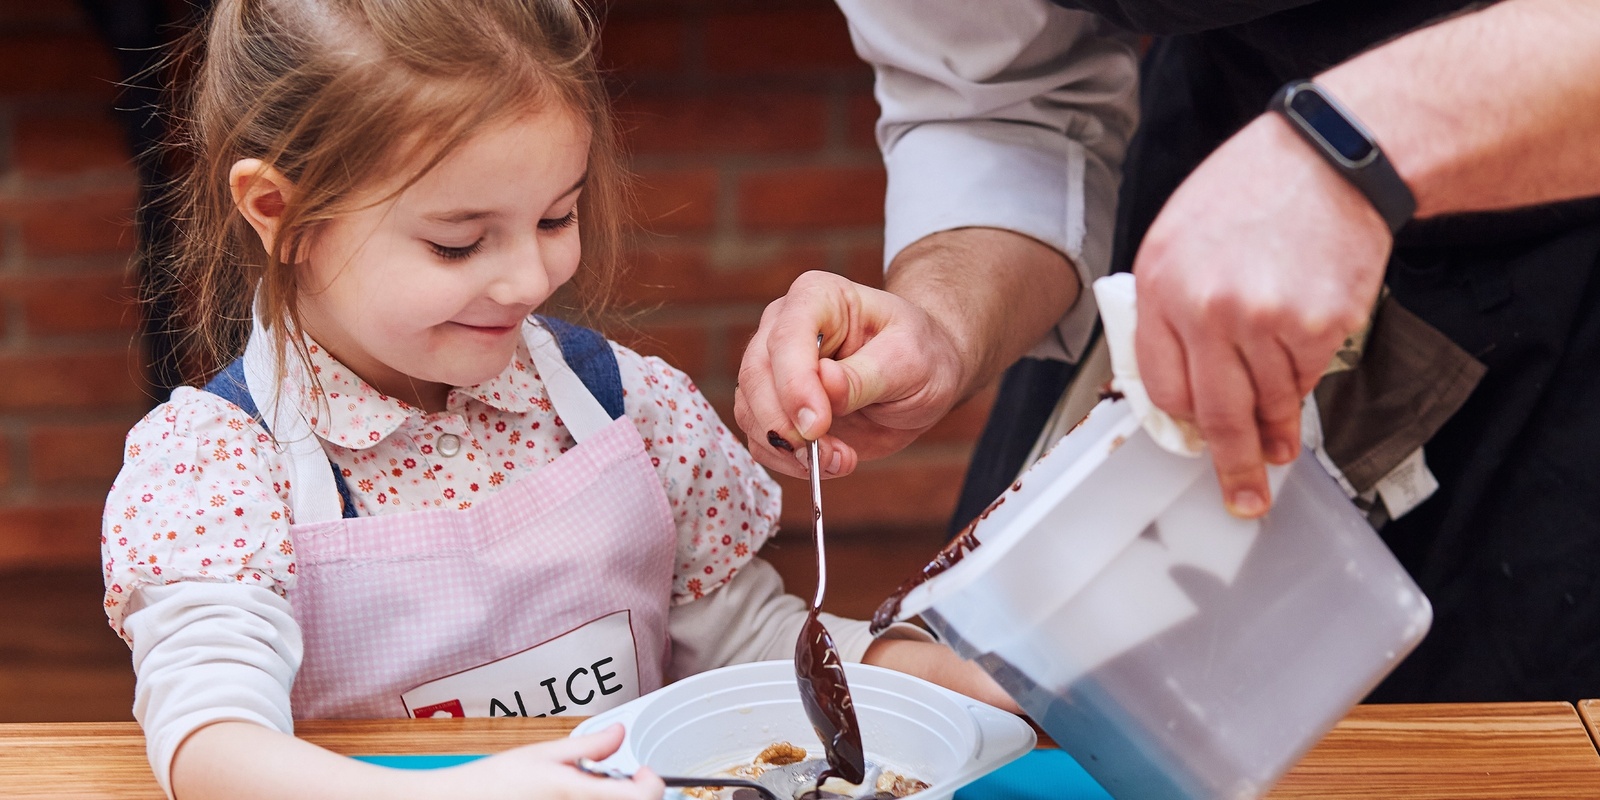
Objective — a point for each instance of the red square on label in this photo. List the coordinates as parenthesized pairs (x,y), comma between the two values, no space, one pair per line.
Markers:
(449,708)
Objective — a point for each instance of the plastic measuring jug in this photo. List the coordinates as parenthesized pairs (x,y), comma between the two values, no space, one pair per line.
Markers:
(1174,650)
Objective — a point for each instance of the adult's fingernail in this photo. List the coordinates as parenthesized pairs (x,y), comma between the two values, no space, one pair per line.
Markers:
(779,442)
(1247,503)
(805,420)
(834,463)
(803,455)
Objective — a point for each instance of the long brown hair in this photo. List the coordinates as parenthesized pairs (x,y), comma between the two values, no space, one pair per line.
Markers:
(332,93)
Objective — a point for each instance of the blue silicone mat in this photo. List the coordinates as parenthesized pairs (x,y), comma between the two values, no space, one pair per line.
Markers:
(416,762)
(1038,775)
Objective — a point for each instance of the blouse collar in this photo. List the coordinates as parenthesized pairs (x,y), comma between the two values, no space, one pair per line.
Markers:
(347,411)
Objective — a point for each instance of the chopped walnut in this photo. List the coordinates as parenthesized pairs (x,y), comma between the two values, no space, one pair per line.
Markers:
(700,793)
(750,771)
(899,785)
(780,753)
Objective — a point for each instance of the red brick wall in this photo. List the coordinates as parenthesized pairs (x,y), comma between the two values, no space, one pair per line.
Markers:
(70,374)
(750,126)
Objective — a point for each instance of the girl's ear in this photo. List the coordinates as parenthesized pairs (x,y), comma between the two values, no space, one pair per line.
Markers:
(260,193)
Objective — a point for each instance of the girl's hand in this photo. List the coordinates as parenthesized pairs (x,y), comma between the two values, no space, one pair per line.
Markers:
(207,765)
(936,663)
(546,771)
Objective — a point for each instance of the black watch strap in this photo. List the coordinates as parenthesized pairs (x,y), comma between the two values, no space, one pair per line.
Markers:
(1342,141)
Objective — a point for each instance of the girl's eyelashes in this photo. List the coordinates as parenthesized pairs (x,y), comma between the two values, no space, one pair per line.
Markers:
(557,224)
(456,253)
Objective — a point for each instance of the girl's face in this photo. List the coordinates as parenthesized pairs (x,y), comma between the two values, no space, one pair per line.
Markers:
(428,290)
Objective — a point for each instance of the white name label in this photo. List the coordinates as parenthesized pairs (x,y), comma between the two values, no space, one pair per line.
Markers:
(587,670)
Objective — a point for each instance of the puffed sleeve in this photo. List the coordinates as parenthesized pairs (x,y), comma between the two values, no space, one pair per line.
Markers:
(723,503)
(199,498)
(1011,115)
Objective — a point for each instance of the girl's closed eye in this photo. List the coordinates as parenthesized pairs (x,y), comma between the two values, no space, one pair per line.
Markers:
(560,222)
(456,253)
(450,253)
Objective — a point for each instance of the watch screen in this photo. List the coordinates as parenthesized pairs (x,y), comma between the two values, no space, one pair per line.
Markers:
(1345,140)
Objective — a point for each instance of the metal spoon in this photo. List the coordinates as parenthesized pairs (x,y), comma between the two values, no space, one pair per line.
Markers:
(819,670)
(592,767)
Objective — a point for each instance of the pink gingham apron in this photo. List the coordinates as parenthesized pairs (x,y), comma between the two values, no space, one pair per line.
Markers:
(549,597)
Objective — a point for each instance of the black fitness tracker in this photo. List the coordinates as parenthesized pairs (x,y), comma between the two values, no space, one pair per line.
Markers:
(1345,144)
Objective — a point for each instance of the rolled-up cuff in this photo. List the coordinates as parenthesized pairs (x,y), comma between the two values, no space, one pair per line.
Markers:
(1022,178)
(206,653)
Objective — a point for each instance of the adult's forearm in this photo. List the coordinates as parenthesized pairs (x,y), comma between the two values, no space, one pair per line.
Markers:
(997,293)
(1490,110)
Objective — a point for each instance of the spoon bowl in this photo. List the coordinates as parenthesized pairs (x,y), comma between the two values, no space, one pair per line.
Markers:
(825,696)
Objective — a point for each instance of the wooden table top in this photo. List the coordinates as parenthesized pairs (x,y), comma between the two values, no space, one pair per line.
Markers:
(1451,751)
(1530,751)
(1589,711)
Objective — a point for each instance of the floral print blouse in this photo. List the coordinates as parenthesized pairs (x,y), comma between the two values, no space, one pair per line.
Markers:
(202,494)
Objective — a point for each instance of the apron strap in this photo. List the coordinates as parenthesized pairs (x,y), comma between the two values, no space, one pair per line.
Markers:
(589,354)
(314,494)
(582,414)
(230,385)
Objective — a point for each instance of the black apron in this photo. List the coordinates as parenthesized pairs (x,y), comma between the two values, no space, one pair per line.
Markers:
(1508,548)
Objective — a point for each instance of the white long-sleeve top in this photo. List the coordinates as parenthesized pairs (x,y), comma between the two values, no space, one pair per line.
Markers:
(1012,114)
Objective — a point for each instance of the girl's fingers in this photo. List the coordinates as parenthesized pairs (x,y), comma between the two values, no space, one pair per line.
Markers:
(648,784)
(598,745)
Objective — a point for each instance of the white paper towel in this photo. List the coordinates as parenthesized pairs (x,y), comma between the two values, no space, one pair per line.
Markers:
(1115,296)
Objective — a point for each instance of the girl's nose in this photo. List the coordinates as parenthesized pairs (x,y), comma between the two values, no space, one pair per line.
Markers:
(521,279)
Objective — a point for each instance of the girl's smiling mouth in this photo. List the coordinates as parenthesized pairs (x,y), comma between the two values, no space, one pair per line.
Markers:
(489,329)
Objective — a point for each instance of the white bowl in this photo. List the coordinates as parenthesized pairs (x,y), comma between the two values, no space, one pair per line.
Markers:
(709,722)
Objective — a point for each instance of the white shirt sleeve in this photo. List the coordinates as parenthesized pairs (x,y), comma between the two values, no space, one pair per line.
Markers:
(750,618)
(1012,115)
(209,652)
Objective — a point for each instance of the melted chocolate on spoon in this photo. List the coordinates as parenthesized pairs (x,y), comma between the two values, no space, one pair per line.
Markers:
(826,699)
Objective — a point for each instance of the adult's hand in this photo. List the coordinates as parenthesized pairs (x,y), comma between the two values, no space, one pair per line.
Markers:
(960,306)
(1254,272)
(886,372)
(1264,258)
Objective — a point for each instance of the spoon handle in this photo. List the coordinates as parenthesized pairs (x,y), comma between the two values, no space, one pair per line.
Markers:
(815,452)
(816,522)
(594,768)
(723,783)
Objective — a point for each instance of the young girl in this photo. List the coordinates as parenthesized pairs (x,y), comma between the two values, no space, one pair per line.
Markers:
(410,497)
